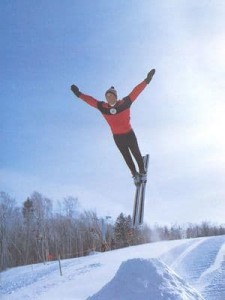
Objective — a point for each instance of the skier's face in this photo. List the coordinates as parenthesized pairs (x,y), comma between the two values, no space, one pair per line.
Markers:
(111,99)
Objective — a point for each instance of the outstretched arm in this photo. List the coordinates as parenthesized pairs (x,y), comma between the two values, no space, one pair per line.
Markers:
(86,98)
(140,87)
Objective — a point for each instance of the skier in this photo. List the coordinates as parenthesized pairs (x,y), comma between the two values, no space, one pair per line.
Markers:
(117,114)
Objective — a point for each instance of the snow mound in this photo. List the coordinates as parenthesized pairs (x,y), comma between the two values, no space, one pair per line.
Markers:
(146,280)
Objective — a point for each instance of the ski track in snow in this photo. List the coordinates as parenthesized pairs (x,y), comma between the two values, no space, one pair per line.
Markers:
(201,264)
(199,259)
(214,276)
(177,255)
(217,263)
(35,273)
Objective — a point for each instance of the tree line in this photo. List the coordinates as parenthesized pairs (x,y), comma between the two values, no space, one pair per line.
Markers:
(34,232)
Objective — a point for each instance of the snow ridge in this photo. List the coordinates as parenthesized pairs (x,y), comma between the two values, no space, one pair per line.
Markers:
(180,258)
(146,280)
(216,265)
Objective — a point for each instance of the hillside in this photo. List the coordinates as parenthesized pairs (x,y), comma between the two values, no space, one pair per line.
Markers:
(183,269)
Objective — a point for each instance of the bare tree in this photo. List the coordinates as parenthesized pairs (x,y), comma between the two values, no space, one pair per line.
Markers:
(7,209)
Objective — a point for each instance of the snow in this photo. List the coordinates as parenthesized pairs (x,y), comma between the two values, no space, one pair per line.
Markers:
(183,269)
(146,279)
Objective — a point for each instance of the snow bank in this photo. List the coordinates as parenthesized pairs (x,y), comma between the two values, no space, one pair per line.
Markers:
(146,280)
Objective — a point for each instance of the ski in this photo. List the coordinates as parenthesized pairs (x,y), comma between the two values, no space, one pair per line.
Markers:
(136,204)
(142,195)
(138,211)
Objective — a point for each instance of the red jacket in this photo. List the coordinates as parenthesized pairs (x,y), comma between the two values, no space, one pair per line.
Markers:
(118,116)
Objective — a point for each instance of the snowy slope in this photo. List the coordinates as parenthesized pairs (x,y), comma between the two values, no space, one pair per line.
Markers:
(199,263)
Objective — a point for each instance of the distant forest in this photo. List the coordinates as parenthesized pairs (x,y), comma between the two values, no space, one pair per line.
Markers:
(34,232)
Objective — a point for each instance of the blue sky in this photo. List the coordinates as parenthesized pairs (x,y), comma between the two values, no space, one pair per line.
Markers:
(54,143)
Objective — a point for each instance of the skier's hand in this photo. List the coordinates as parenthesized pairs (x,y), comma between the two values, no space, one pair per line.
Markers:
(75,90)
(150,75)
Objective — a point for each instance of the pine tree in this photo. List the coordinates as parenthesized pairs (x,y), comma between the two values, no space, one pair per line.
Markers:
(28,215)
(123,227)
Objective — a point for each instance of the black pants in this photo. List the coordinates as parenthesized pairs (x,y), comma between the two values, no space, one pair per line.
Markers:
(127,144)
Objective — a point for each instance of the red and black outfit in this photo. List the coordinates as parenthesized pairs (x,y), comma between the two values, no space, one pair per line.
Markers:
(118,118)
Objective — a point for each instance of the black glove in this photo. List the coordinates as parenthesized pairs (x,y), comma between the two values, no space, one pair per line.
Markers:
(75,90)
(150,75)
